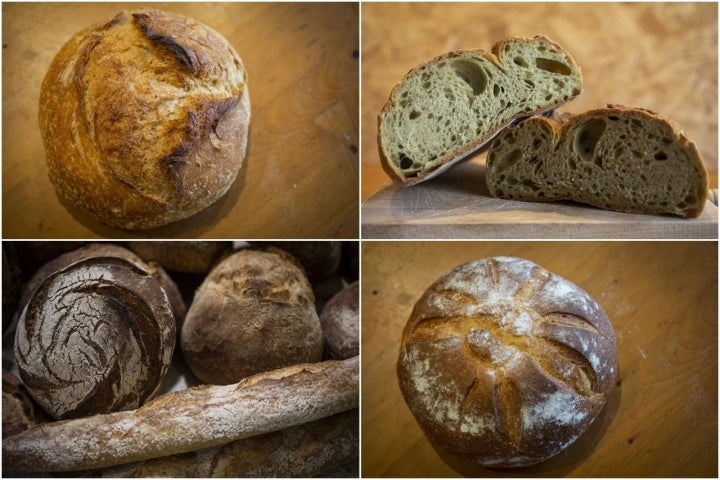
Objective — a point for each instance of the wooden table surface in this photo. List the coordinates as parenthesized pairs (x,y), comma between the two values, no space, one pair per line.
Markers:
(661,56)
(661,297)
(458,204)
(300,178)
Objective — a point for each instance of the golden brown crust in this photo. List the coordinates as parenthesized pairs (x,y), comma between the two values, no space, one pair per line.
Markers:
(144,119)
(504,363)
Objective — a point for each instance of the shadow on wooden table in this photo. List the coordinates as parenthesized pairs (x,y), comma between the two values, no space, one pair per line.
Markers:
(191,227)
(557,466)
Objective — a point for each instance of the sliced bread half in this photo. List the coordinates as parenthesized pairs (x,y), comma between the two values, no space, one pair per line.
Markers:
(454,104)
(615,158)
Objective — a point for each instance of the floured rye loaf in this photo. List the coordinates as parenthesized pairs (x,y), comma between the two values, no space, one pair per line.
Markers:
(144,119)
(504,363)
(454,104)
(616,158)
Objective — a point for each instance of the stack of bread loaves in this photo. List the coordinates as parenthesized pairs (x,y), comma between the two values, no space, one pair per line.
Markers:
(95,338)
(616,158)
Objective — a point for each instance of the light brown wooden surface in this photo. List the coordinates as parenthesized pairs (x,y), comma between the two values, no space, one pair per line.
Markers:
(458,204)
(300,178)
(661,298)
(661,56)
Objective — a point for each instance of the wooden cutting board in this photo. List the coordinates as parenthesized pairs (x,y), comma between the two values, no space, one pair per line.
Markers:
(661,297)
(300,177)
(457,204)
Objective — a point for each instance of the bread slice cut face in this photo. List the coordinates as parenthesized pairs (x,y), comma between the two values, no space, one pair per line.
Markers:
(615,158)
(454,104)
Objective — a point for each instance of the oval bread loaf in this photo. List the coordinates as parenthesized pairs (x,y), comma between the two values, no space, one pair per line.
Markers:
(504,363)
(616,158)
(96,336)
(454,104)
(254,312)
(144,119)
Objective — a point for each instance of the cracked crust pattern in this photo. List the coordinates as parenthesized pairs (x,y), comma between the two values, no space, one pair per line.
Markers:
(96,336)
(505,363)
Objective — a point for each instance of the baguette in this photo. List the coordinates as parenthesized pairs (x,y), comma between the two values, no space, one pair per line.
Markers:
(307,450)
(189,420)
(454,104)
(615,158)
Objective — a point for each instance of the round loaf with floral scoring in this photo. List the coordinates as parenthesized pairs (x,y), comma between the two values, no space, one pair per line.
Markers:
(504,363)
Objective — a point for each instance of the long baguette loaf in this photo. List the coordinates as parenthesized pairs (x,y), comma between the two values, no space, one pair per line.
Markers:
(308,450)
(189,420)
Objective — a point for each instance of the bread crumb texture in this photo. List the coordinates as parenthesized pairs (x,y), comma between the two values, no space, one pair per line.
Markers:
(455,103)
(616,158)
(505,363)
(144,119)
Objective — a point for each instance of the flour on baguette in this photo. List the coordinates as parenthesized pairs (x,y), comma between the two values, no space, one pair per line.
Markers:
(189,420)
(454,104)
(615,158)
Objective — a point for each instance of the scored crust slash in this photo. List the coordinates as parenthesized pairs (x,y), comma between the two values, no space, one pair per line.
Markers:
(504,363)
(144,119)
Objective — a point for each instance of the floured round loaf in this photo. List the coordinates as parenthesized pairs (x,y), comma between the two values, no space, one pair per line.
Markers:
(144,119)
(504,363)
(254,312)
(96,336)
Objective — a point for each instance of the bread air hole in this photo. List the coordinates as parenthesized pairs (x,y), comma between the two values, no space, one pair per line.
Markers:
(520,61)
(405,161)
(587,137)
(414,114)
(660,156)
(552,66)
(506,161)
(472,74)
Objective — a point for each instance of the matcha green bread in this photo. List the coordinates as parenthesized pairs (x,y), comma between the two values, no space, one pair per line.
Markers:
(454,104)
(615,158)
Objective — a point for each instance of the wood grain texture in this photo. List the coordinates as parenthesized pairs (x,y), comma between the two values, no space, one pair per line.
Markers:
(300,179)
(661,298)
(458,204)
(661,56)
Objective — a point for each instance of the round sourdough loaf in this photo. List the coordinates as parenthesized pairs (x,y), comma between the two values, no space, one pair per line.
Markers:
(254,312)
(504,363)
(144,119)
(96,336)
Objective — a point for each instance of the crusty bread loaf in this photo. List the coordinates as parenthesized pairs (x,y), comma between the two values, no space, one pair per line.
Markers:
(616,158)
(104,249)
(254,312)
(340,321)
(504,363)
(19,412)
(144,119)
(308,450)
(189,420)
(96,335)
(454,104)
(181,256)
